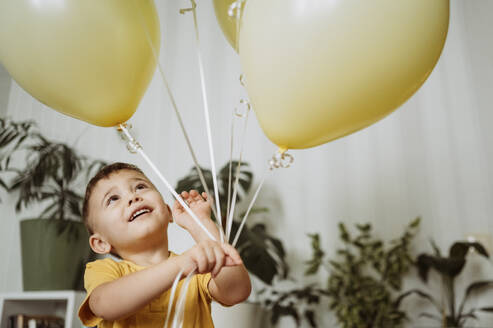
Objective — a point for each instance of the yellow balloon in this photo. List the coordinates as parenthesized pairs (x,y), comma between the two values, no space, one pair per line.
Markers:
(319,70)
(228,23)
(89,59)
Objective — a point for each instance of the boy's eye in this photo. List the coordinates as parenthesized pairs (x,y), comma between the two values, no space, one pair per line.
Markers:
(141,186)
(111,199)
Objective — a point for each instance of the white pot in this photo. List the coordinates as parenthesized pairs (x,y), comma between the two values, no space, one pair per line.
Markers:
(243,315)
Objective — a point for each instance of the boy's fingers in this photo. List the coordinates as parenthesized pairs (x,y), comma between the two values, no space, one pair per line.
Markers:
(230,261)
(184,195)
(211,258)
(201,260)
(232,253)
(220,258)
(176,206)
(207,197)
(193,193)
(198,197)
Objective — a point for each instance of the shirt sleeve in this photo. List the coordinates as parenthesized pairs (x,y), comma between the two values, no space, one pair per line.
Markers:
(203,283)
(97,273)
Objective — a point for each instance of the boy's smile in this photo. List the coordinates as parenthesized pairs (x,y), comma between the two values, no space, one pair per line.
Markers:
(139,212)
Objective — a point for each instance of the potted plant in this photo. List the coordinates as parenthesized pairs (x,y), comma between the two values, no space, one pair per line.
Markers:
(366,277)
(295,301)
(362,287)
(50,175)
(453,313)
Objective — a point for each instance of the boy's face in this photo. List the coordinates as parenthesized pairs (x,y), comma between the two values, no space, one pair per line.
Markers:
(127,212)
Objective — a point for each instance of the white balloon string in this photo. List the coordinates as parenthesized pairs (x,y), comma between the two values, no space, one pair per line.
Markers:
(206,113)
(229,220)
(172,297)
(234,115)
(237,236)
(175,108)
(230,164)
(136,147)
(281,159)
(180,304)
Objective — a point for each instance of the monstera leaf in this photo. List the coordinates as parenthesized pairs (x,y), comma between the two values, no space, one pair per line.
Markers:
(263,255)
(245,179)
(192,180)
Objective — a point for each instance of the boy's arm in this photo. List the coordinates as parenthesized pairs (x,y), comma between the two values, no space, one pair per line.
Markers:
(232,284)
(126,295)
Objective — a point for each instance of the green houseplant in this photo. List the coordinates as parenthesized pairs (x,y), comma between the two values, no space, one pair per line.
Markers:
(298,302)
(453,313)
(263,254)
(51,176)
(366,277)
(363,285)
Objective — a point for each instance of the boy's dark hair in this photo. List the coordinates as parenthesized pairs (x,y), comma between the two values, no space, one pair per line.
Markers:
(104,173)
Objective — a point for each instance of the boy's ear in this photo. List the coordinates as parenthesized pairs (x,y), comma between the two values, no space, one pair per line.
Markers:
(99,245)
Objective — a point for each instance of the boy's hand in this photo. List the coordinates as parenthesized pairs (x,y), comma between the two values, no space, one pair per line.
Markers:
(209,256)
(199,204)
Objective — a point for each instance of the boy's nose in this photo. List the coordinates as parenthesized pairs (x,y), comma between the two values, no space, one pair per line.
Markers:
(134,199)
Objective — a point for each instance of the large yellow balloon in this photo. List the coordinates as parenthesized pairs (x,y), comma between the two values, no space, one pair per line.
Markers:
(227,23)
(89,59)
(318,70)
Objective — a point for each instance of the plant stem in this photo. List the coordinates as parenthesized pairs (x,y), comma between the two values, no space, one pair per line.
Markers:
(62,200)
(449,289)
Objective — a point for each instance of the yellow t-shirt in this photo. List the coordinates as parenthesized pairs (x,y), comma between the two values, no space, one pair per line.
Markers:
(197,305)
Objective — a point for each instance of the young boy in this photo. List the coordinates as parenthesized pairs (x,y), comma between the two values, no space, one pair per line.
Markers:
(127,217)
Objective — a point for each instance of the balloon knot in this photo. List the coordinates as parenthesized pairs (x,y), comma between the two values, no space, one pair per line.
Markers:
(281,159)
(132,145)
(246,108)
(185,10)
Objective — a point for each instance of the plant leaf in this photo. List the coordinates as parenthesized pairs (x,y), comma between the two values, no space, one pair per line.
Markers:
(486,309)
(415,223)
(430,316)
(263,255)
(310,317)
(460,249)
(450,267)
(474,287)
(462,318)
(435,248)
(420,294)
(317,255)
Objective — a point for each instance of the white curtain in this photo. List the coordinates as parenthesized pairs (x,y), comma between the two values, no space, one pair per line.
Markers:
(431,158)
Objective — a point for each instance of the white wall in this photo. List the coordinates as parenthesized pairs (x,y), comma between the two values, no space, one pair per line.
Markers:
(431,158)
